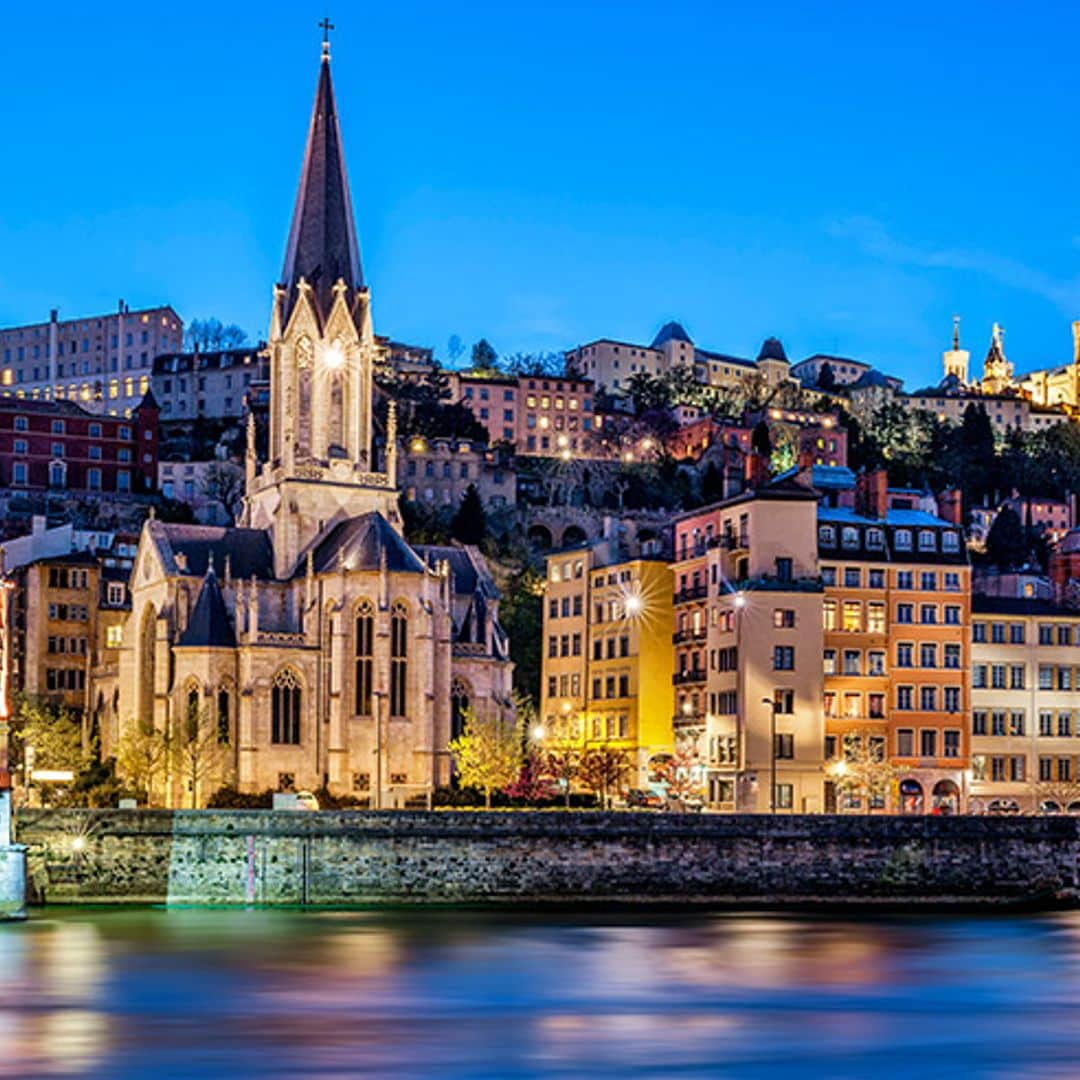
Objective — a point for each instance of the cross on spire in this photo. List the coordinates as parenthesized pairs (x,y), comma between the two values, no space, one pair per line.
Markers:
(326,25)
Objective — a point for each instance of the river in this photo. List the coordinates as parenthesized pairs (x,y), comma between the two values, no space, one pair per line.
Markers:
(152,993)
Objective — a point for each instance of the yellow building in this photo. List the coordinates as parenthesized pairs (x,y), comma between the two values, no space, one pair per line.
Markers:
(608,655)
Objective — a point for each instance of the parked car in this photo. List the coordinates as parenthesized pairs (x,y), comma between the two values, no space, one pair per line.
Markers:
(644,800)
(306,801)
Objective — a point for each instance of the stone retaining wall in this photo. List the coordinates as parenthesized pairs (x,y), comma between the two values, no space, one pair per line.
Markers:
(341,858)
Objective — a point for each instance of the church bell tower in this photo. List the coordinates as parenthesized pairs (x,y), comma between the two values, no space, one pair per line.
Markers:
(321,467)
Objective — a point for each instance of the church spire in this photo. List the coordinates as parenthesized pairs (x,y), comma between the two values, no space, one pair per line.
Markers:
(322,240)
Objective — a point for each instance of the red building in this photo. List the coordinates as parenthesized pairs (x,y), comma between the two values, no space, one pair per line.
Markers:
(58,446)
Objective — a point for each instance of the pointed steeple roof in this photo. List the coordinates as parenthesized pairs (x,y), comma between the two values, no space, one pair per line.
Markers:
(322,240)
(209,624)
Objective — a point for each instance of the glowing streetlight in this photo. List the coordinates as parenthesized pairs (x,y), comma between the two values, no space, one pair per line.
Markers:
(538,733)
(740,600)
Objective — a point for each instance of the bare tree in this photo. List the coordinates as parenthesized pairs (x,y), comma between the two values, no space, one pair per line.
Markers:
(1061,794)
(208,335)
(863,770)
(223,482)
(603,769)
(142,759)
(199,756)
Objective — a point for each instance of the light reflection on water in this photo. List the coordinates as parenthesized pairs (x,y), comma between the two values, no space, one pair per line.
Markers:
(179,993)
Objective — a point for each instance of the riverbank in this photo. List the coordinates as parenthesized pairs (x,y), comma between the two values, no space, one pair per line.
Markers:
(339,859)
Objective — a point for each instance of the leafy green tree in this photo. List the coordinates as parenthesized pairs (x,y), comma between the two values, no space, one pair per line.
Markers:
(712,483)
(522,613)
(484,356)
(1006,544)
(470,522)
(487,754)
(761,440)
(647,392)
(826,380)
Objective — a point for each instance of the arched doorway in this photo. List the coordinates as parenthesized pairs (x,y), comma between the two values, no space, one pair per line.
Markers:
(911,797)
(573,535)
(540,537)
(945,798)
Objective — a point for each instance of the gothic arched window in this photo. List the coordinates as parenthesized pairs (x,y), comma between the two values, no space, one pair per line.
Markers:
(303,397)
(147,644)
(285,708)
(399,652)
(335,434)
(459,706)
(365,649)
(224,727)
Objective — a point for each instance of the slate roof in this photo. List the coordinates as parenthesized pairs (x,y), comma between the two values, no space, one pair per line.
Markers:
(670,331)
(248,550)
(772,349)
(467,575)
(322,240)
(360,543)
(1016,605)
(209,625)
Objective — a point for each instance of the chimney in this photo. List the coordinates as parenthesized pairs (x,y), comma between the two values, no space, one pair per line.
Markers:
(872,494)
(757,470)
(951,506)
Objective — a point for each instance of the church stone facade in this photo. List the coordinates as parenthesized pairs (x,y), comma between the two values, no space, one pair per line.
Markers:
(320,646)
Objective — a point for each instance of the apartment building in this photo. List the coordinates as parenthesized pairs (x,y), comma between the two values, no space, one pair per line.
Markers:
(608,656)
(555,416)
(748,680)
(438,472)
(55,628)
(1007,412)
(103,362)
(1025,706)
(58,446)
(214,385)
(493,399)
(896,617)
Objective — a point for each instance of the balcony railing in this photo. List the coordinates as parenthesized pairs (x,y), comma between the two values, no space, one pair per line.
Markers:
(692,675)
(681,636)
(691,592)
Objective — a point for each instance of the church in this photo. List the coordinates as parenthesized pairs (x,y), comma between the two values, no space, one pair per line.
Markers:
(320,647)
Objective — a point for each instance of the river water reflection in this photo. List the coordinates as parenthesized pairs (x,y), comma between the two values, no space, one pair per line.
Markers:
(206,993)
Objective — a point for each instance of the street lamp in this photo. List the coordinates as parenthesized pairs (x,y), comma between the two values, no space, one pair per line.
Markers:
(771,702)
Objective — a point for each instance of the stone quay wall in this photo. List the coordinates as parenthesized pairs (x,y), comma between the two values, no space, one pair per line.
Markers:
(356,858)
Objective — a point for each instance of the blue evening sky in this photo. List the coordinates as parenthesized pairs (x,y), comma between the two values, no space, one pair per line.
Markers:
(843,175)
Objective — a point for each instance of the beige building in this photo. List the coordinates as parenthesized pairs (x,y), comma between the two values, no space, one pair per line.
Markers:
(314,646)
(611,364)
(55,628)
(103,362)
(438,472)
(748,680)
(210,384)
(1025,706)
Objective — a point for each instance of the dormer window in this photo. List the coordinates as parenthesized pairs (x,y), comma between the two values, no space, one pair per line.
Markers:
(902,539)
(849,538)
(875,539)
(826,535)
(926,540)
(950,541)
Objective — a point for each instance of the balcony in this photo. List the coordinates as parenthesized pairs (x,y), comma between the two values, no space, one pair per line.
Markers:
(691,592)
(689,677)
(682,636)
(686,722)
